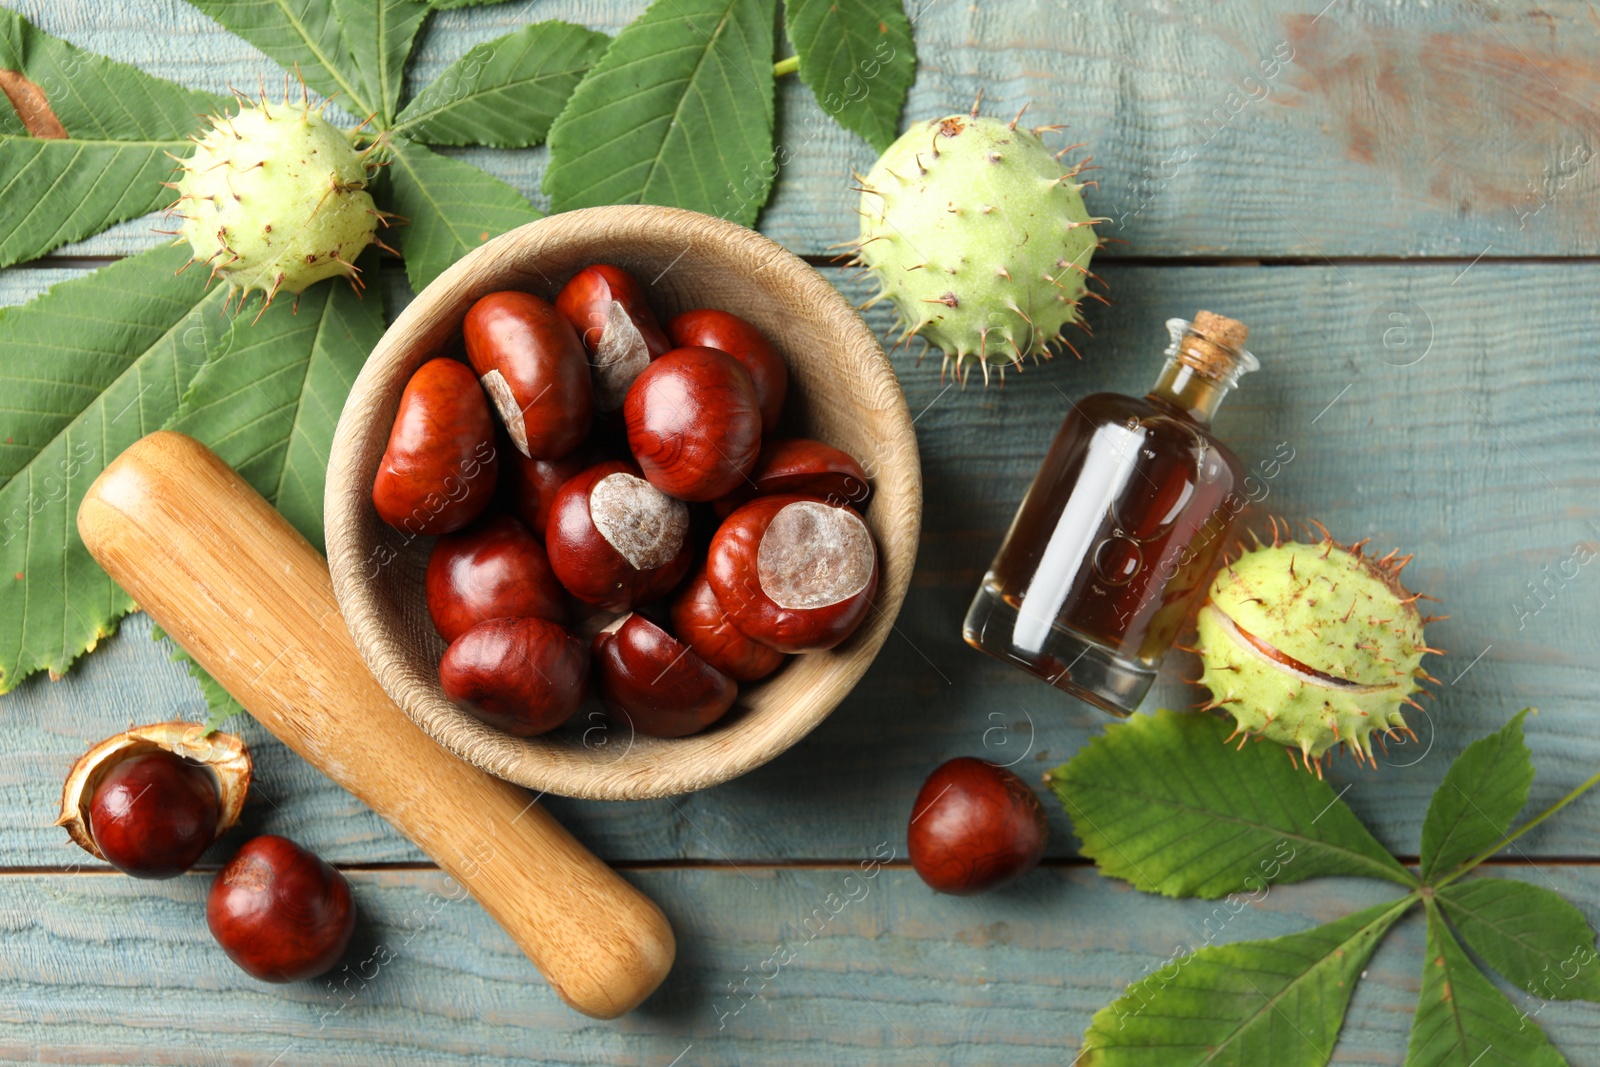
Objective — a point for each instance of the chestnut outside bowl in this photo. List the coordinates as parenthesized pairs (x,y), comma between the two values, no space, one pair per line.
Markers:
(841,390)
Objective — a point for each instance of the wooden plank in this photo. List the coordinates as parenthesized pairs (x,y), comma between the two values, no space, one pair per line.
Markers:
(1444,129)
(1479,458)
(833,968)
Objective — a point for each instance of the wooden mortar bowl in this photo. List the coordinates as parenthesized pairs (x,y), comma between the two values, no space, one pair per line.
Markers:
(841,390)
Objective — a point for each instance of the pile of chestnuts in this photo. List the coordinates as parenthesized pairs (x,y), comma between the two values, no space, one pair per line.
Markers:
(151,800)
(571,475)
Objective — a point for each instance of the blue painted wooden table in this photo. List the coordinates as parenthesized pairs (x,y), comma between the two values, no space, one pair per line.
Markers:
(1405,215)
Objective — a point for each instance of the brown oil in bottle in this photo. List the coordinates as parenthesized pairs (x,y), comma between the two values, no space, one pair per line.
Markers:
(1118,534)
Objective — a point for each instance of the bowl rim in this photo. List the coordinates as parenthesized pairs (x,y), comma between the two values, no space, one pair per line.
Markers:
(727,753)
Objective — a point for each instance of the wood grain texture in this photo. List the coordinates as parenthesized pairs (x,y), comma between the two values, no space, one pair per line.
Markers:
(782,968)
(245,594)
(1480,457)
(1447,129)
(841,390)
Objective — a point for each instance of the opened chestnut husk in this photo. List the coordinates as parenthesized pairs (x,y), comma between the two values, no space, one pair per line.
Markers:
(223,758)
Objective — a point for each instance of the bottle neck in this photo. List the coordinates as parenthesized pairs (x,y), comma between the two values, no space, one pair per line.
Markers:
(1200,369)
(1189,391)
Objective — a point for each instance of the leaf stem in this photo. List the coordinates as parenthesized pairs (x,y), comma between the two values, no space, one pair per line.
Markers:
(1588,784)
(786,66)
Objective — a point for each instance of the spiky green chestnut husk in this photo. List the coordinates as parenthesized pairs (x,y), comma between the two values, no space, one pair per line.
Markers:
(982,242)
(1312,645)
(275,199)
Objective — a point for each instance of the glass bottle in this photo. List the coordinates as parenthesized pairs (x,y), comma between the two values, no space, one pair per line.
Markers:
(1118,533)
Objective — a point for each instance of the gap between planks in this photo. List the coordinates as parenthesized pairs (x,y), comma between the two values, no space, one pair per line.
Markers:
(736,866)
(95,262)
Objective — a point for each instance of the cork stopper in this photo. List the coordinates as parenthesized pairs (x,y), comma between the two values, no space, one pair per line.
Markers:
(1221,329)
(1213,346)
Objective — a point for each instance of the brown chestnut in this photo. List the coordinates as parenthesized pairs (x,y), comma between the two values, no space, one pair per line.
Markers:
(809,468)
(154,814)
(534,368)
(975,827)
(702,624)
(523,676)
(607,308)
(529,486)
(615,540)
(694,423)
(709,328)
(657,683)
(438,473)
(494,569)
(149,800)
(279,911)
(793,572)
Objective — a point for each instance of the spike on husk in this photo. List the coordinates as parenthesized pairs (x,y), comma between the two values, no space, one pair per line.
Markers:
(1313,645)
(979,239)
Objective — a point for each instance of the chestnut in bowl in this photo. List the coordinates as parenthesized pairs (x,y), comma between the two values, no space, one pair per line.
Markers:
(608,309)
(795,573)
(523,676)
(694,423)
(534,368)
(842,390)
(528,487)
(438,471)
(656,682)
(809,468)
(700,621)
(975,827)
(279,911)
(495,569)
(722,330)
(616,541)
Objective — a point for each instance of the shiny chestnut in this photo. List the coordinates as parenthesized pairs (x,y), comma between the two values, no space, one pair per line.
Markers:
(279,911)
(523,676)
(709,328)
(528,487)
(535,370)
(694,423)
(150,799)
(494,569)
(803,466)
(700,622)
(607,308)
(975,827)
(656,683)
(438,472)
(154,814)
(795,573)
(615,540)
